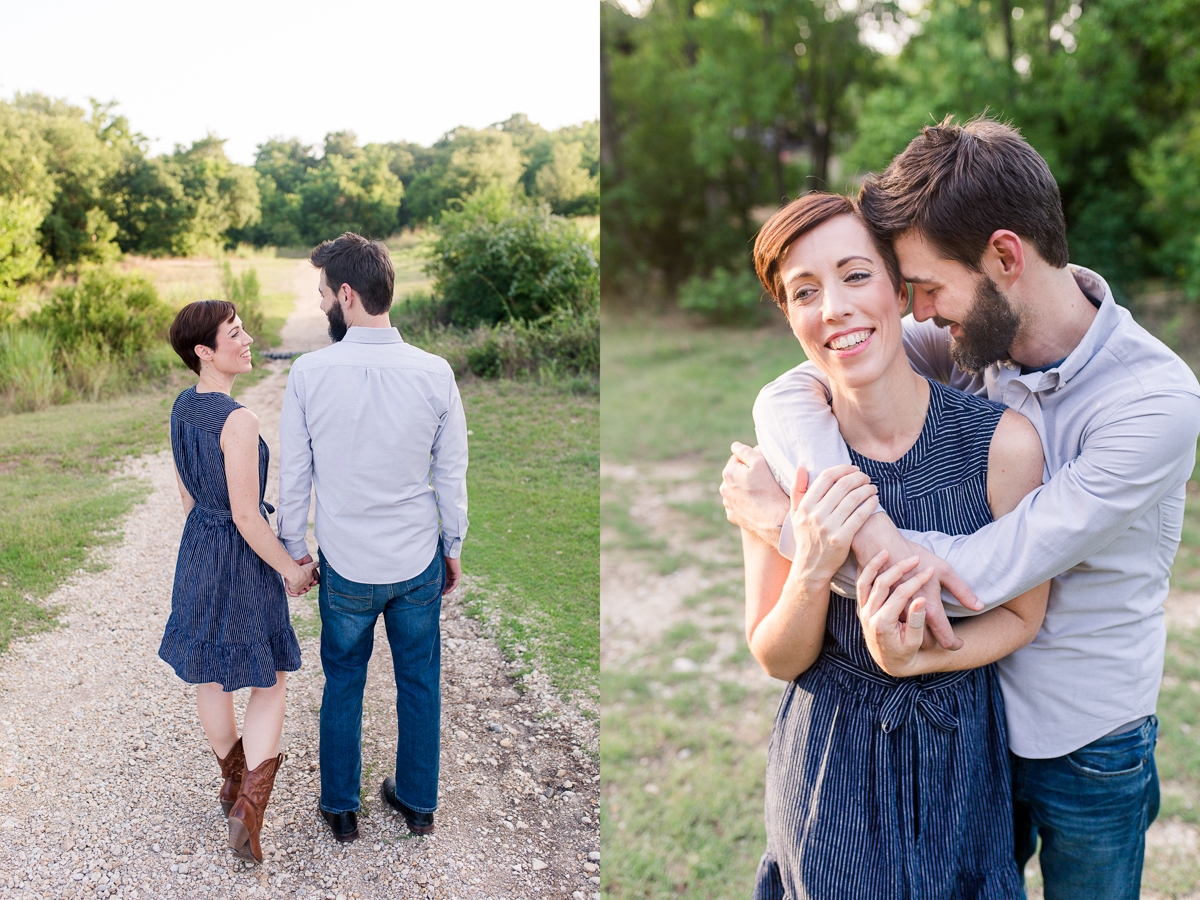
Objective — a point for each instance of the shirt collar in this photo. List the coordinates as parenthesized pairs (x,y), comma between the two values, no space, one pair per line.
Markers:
(1108,316)
(360,334)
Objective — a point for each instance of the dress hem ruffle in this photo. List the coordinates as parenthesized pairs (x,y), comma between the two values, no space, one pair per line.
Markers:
(238,665)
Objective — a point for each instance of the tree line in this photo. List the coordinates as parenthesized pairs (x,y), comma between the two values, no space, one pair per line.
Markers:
(78,187)
(714,110)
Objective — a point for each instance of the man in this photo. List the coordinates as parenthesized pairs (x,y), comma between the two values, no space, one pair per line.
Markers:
(377,426)
(977,225)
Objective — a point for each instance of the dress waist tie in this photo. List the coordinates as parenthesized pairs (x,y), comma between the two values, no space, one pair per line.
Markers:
(905,694)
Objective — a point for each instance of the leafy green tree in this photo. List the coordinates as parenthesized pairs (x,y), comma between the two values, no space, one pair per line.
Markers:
(465,161)
(185,203)
(565,184)
(351,189)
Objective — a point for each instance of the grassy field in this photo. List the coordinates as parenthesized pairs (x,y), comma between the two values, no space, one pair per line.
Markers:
(58,496)
(534,507)
(687,716)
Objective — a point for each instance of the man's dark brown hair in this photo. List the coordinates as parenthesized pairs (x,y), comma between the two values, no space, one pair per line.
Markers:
(958,184)
(197,323)
(797,219)
(364,265)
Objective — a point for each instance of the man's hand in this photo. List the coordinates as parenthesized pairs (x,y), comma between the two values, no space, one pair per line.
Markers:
(752,498)
(453,574)
(893,622)
(879,533)
(314,577)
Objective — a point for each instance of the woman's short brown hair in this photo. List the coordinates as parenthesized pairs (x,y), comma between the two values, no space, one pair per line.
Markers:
(197,323)
(797,219)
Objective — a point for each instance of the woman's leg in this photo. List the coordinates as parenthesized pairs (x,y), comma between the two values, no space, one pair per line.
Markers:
(215,708)
(263,722)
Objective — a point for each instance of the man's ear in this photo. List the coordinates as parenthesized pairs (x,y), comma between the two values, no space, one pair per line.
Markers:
(1004,258)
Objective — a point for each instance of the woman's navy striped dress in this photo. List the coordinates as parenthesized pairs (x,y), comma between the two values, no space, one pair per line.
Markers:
(897,788)
(229,619)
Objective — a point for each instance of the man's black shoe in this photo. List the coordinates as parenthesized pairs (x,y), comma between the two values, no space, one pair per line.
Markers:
(418,822)
(344,825)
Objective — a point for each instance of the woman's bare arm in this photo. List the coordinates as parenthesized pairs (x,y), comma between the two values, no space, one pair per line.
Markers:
(188,502)
(786,602)
(239,442)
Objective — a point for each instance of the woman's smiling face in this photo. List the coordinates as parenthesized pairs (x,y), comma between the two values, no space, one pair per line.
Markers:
(841,304)
(232,355)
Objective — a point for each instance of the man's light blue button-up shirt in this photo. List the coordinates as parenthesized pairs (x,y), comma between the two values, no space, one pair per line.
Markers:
(377,426)
(1118,419)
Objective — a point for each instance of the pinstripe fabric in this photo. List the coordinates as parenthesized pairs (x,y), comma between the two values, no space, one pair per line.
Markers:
(229,614)
(887,788)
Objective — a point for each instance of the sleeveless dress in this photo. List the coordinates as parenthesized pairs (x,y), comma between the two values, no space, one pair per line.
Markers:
(229,619)
(897,788)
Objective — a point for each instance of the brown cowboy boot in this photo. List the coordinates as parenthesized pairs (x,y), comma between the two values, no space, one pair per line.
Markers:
(246,817)
(231,769)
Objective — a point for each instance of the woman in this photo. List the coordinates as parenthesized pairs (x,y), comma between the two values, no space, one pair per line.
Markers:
(229,626)
(877,786)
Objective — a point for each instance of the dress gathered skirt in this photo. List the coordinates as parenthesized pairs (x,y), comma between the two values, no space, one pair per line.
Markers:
(229,620)
(897,788)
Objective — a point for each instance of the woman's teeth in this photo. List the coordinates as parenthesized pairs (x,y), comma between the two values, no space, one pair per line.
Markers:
(846,341)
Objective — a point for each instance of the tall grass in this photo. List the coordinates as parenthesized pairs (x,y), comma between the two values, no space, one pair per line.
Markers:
(28,379)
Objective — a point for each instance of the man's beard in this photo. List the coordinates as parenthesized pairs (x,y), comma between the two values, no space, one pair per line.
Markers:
(337,323)
(988,329)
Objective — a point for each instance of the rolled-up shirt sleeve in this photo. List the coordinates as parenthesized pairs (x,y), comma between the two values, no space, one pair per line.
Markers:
(295,469)
(1142,449)
(448,473)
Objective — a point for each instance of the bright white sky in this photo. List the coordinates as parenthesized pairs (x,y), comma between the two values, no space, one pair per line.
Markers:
(249,70)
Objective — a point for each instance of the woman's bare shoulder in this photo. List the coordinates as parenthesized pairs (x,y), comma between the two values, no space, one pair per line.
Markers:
(1015,462)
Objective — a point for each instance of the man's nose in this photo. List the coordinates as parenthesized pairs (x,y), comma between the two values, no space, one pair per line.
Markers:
(922,307)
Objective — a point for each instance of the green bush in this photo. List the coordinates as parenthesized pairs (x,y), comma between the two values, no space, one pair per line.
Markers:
(500,259)
(725,297)
(118,310)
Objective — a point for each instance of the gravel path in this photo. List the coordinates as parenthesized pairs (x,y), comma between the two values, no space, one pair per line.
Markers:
(108,787)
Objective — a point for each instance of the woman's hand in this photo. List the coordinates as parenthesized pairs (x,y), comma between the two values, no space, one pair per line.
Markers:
(826,515)
(893,623)
(301,579)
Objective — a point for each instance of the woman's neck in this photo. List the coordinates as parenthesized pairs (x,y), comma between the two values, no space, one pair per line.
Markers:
(212,381)
(883,420)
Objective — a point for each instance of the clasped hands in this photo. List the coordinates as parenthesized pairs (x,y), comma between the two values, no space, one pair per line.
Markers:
(826,518)
(299,584)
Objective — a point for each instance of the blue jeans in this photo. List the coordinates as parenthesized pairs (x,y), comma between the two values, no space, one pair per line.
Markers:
(1091,809)
(411,611)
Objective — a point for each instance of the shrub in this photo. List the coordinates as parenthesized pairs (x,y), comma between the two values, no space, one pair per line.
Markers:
(28,380)
(564,344)
(725,297)
(108,308)
(499,259)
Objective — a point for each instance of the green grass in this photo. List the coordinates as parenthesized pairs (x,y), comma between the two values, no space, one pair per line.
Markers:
(683,760)
(672,391)
(58,498)
(533,488)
